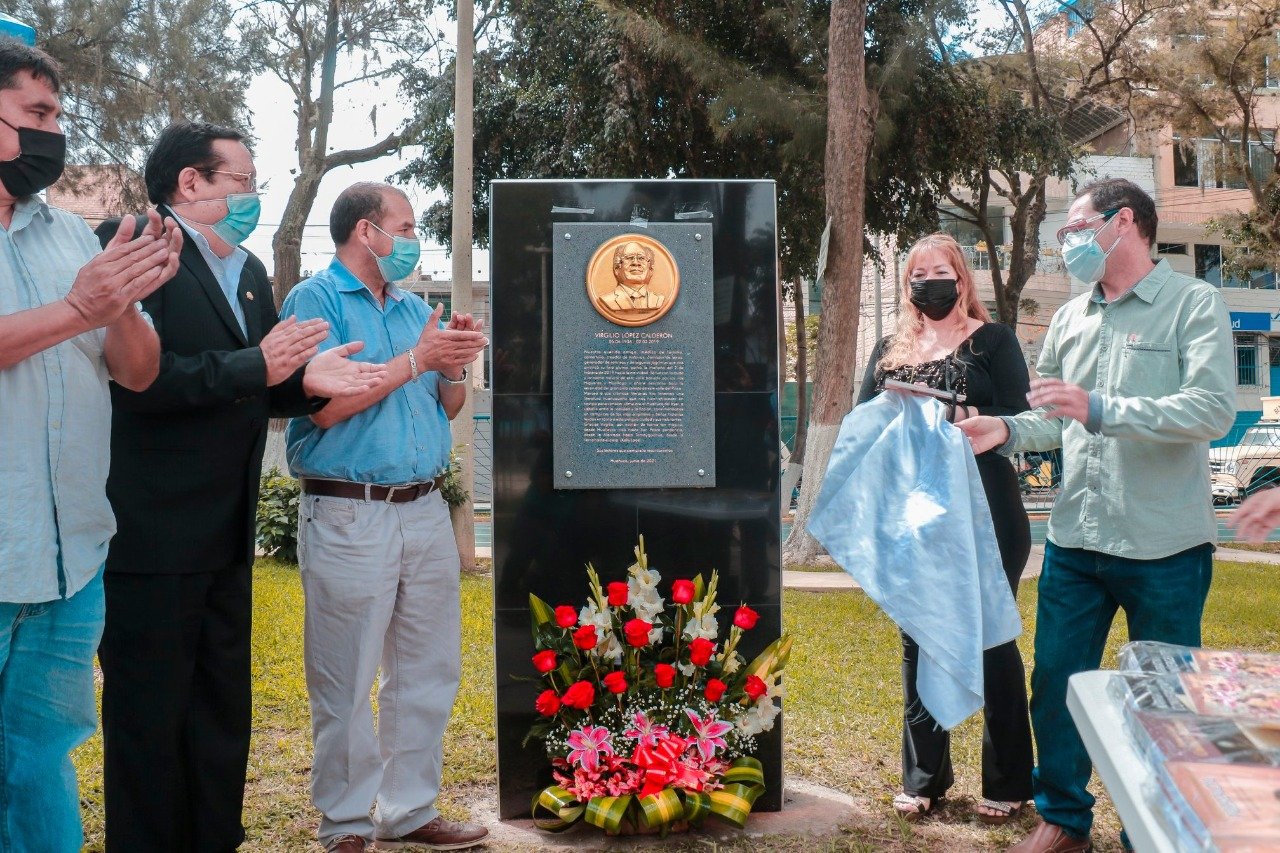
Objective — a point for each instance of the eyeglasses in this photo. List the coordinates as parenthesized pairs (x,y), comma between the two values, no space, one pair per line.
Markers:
(244,177)
(1084,225)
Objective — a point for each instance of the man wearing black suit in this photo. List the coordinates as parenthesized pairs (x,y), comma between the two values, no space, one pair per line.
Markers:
(186,456)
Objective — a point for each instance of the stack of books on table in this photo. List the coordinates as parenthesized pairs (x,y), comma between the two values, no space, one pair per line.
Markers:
(1208,724)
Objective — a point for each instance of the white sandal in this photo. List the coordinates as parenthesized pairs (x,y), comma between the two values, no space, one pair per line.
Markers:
(911,807)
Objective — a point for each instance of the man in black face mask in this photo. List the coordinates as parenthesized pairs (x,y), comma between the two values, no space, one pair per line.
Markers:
(68,322)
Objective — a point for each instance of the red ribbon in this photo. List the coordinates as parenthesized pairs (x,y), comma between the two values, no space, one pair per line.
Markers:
(663,768)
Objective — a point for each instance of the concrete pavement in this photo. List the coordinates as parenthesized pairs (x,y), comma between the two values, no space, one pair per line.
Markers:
(834,580)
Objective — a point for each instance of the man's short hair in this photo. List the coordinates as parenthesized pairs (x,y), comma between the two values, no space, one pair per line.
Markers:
(15,56)
(183,144)
(1114,193)
(356,202)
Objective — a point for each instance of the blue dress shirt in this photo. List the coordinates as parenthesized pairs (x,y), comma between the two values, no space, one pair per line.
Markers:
(55,420)
(403,438)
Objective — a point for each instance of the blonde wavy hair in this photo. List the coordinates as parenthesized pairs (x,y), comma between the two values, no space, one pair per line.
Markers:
(902,344)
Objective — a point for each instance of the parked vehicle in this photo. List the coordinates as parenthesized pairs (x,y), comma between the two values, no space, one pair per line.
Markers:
(1253,464)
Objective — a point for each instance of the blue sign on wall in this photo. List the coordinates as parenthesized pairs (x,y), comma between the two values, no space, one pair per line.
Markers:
(1250,321)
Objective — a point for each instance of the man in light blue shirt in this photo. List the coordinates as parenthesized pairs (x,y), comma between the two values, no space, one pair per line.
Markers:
(378,558)
(1136,378)
(68,321)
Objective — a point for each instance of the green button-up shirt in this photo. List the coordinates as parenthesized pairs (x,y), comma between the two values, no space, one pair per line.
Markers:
(1158,365)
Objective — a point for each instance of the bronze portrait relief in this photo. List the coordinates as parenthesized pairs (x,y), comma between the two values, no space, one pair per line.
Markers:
(632,280)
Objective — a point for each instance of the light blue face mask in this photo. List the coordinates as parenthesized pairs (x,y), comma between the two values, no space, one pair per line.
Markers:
(1084,258)
(243,210)
(403,258)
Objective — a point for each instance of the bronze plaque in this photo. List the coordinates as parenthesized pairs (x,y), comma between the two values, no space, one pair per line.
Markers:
(632,280)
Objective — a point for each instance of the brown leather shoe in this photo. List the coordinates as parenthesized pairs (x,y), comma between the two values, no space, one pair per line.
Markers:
(346,844)
(1047,838)
(439,834)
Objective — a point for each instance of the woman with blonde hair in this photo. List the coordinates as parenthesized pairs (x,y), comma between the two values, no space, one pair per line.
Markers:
(946,339)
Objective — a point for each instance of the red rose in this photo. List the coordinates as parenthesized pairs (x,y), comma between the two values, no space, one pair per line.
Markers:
(580,695)
(755,687)
(637,632)
(544,661)
(715,689)
(547,703)
(664,674)
(700,651)
(616,682)
(617,594)
(566,616)
(585,637)
(682,592)
(745,618)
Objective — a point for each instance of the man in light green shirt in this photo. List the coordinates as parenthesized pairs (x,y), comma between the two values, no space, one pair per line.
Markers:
(1135,381)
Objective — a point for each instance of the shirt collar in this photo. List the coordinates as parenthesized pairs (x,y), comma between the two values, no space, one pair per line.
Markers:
(1147,288)
(27,209)
(345,280)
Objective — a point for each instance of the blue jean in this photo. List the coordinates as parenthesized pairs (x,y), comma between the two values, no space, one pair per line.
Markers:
(46,710)
(1079,593)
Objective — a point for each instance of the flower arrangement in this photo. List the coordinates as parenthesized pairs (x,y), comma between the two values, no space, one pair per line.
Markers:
(648,718)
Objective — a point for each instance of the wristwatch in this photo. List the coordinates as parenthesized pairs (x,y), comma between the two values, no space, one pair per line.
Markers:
(447,381)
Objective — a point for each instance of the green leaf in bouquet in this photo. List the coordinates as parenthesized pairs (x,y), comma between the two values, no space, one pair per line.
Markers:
(541,612)
(772,659)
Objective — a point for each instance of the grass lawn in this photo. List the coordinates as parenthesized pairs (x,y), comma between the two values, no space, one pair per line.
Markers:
(842,718)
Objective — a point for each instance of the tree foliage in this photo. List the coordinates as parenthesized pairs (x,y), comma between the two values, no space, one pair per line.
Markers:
(131,68)
(319,48)
(1204,74)
(1046,66)
(695,89)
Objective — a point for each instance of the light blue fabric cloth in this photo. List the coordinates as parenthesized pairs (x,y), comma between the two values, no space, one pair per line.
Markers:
(902,510)
(403,438)
(55,420)
(226,270)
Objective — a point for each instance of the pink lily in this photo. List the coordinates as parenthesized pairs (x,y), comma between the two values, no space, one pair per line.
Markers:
(587,745)
(644,732)
(708,734)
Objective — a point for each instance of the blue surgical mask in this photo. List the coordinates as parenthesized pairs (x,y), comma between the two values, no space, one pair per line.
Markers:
(1084,257)
(243,210)
(403,258)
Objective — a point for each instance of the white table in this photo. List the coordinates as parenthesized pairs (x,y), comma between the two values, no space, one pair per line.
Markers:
(1099,719)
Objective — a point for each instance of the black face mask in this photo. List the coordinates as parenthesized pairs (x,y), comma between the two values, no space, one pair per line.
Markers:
(41,158)
(935,297)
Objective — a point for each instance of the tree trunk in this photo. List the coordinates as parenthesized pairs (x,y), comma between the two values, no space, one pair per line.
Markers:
(851,112)
(802,378)
(464,521)
(287,242)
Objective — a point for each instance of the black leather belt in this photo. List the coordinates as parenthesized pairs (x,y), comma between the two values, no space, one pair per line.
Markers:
(370,492)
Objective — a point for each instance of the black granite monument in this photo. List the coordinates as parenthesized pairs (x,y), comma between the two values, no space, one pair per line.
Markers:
(575,482)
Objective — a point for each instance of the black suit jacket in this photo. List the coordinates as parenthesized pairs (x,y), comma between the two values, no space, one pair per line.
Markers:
(186,453)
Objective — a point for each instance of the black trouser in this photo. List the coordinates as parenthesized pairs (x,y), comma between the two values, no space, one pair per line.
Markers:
(176,710)
(1007,759)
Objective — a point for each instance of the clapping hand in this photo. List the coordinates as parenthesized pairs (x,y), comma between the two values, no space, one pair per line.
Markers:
(127,270)
(290,345)
(451,349)
(333,374)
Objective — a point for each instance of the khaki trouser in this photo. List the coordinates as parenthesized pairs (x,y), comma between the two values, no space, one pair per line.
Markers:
(381,586)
